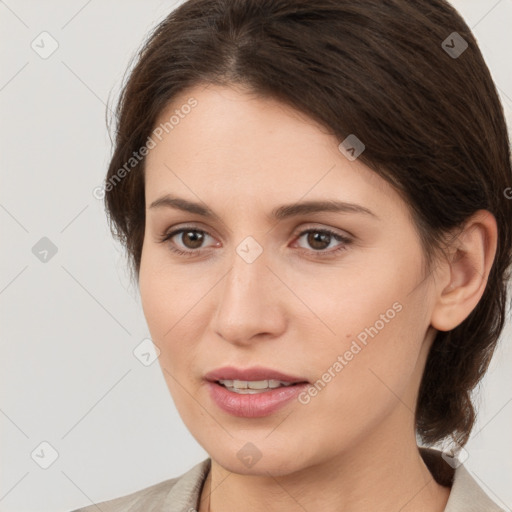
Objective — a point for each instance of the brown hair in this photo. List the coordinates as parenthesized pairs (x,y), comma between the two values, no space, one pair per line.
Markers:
(431,122)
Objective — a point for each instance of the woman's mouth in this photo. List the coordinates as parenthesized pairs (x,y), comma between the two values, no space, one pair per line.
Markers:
(253,398)
(253,386)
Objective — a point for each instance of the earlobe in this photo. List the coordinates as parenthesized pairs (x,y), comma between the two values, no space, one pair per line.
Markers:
(471,258)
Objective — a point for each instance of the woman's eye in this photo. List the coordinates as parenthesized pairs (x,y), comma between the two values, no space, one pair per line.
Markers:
(189,241)
(190,238)
(319,240)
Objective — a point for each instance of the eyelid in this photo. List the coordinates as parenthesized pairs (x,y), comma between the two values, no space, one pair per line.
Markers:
(167,235)
(191,226)
(317,227)
(344,241)
(297,232)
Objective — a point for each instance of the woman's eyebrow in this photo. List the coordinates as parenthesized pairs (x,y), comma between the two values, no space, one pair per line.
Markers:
(305,207)
(282,212)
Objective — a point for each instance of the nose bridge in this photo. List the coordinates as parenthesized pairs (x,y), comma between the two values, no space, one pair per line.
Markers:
(246,306)
(248,269)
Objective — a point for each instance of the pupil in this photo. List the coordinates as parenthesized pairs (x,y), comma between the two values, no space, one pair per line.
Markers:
(313,239)
(196,239)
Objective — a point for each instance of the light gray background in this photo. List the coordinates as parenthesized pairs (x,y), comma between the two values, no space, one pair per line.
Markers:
(70,325)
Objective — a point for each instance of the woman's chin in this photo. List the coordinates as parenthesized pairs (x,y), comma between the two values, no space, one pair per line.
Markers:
(266,466)
(261,458)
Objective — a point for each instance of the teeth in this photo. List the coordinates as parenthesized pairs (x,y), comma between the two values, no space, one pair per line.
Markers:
(252,386)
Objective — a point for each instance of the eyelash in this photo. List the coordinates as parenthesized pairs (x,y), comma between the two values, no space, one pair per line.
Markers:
(345,241)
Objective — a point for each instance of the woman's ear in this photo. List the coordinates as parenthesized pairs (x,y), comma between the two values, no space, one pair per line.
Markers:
(465,273)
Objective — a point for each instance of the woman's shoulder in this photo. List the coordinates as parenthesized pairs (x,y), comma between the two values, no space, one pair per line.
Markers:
(139,500)
(179,493)
(466,495)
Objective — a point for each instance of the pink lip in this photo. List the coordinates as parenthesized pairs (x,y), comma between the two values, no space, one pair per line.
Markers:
(255,373)
(252,405)
(256,405)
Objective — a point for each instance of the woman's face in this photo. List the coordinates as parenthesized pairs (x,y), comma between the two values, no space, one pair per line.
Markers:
(262,285)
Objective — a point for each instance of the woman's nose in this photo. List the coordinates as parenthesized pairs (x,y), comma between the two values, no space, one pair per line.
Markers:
(250,298)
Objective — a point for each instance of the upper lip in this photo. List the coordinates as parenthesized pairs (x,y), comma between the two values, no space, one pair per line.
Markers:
(250,374)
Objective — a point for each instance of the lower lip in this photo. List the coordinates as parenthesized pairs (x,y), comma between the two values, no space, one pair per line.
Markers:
(253,405)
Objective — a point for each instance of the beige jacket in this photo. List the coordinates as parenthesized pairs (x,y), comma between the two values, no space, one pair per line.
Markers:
(182,494)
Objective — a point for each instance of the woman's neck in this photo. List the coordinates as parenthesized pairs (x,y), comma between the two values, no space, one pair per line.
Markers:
(373,477)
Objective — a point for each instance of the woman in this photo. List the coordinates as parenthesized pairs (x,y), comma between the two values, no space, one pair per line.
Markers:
(313,197)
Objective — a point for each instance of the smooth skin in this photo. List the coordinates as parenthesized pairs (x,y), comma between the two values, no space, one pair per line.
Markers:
(352,448)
